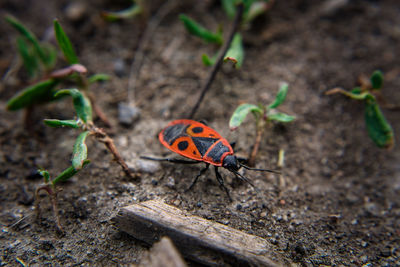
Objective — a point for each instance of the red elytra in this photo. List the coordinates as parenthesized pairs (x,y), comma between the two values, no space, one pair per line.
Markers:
(197,141)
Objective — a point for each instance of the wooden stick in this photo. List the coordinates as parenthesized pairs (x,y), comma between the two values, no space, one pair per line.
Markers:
(198,239)
(163,254)
(220,59)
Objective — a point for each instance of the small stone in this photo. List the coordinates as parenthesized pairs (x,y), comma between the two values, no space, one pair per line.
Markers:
(274,241)
(46,244)
(199,204)
(127,114)
(76,10)
(386,252)
(170,182)
(154,182)
(364,258)
(364,244)
(147,166)
(177,202)
(119,68)
(354,222)
(239,206)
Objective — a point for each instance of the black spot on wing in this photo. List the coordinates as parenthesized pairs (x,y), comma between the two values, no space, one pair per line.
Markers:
(197,129)
(182,145)
(172,132)
(217,151)
(203,143)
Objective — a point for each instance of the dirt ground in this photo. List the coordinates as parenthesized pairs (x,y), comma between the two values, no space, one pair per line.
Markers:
(337,202)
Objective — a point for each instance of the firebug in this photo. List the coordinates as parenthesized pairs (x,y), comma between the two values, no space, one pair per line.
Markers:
(197,141)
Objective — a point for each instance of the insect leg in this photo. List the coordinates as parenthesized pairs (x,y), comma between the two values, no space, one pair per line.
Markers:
(255,169)
(202,171)
(233,144)
(171,160)
(221,182)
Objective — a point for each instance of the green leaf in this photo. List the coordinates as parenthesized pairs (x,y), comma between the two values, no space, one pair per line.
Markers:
(35,94)
(29,59)
(82,104)
(65,44)
(130,12)
(209,61)
(280,97)
(236,51)
(100,77)
(379,130)
(281,117)
(377,80)
(229,7)
(356,90)
(255,9)
(51,55)
(240,114)
(68,173)
(79,154)
(28,35)
(62,123)
(196,29)
(45,175)
(247,5)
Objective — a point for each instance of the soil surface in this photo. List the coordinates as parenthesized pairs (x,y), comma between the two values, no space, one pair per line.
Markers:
(335,204)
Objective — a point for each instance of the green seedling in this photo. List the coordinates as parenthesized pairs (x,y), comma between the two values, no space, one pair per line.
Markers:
(262,115)
(36,56)
(50,187)
(135,9)
(39,60)
(84,123)
(235,53)
(378,128)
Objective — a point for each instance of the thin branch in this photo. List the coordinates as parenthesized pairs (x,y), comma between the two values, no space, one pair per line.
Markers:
(220,59)
(109,143)
(139,54)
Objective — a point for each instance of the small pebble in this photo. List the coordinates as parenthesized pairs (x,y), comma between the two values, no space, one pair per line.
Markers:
(147,166)
(75,10)
(127,114)
(170,182)
(119,68)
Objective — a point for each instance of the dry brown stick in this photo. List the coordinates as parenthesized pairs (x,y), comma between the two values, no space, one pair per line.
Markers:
(201,240)
(220,59)
(99,112)
(163,254)
(144,41)
(103,137)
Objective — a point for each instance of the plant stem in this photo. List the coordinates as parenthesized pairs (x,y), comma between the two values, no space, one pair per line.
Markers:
(99,112)
(220,59)
(259,133)
(52,192)
(109,143)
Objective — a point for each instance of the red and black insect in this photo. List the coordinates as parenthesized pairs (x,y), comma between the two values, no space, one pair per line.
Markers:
(201,143)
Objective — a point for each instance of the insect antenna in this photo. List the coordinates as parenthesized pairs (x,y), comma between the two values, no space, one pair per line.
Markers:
(244,178)
(255,169)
